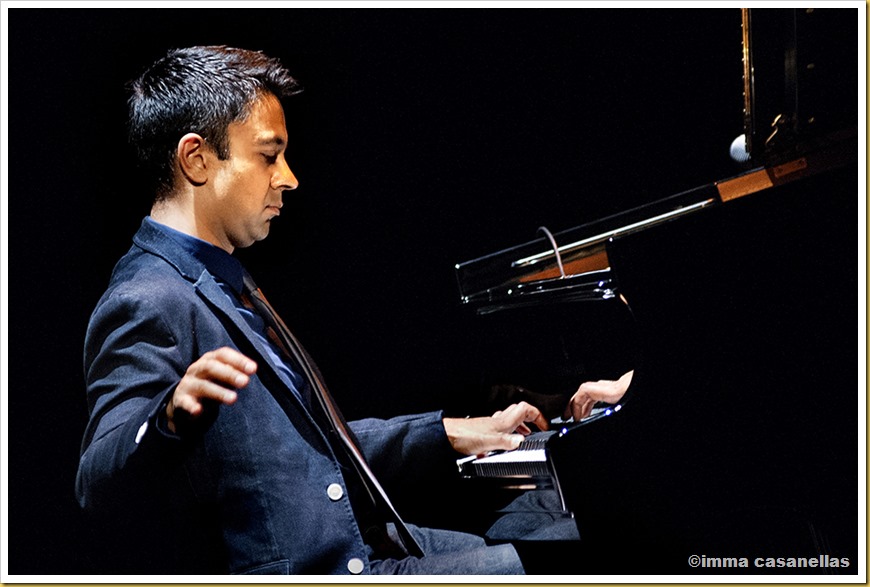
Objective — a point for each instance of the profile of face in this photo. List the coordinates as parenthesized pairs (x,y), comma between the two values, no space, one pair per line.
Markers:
(246,190)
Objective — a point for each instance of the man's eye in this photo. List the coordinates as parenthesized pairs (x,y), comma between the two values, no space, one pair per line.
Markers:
(270,159)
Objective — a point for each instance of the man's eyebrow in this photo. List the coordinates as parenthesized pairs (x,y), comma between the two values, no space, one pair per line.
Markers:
(268,141)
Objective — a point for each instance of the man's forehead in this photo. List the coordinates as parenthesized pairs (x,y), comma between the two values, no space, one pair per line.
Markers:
(265,125)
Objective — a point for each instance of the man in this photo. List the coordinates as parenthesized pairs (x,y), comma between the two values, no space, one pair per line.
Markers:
(213,446)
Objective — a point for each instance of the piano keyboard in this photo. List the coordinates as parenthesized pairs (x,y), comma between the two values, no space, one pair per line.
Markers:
(529,460)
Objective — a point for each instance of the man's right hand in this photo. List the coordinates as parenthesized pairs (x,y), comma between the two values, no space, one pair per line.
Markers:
(214,377)
(504,430)
(588,394)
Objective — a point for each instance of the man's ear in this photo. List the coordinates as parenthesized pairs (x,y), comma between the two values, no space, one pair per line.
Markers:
(193,158)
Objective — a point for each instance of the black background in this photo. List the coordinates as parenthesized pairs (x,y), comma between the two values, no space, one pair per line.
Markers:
(423,138)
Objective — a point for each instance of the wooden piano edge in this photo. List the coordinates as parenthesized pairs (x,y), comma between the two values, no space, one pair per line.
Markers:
(840,151)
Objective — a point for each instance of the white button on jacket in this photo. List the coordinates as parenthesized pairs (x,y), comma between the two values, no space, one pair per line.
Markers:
(355,566)
(335,492)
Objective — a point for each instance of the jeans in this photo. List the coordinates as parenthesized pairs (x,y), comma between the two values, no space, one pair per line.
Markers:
(450,553)
(534,516)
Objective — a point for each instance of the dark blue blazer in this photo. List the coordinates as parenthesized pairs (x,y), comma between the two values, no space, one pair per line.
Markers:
(248,491)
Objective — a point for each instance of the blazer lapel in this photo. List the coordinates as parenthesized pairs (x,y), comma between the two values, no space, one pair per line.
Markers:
(151,239)
(214,296)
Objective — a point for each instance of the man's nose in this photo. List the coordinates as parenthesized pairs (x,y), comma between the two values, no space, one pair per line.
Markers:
(284,178)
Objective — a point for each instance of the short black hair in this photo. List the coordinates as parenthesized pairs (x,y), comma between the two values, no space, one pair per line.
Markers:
(201,90)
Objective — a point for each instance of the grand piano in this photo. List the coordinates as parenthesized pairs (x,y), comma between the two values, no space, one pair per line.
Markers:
(734,304)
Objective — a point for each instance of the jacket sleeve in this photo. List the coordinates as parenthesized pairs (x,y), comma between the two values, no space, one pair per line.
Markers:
(407,449)
(132,365)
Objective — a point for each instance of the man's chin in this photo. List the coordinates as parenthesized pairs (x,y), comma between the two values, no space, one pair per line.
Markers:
(248,241)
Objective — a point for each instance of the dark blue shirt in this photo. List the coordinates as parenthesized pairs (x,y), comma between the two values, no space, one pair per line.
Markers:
(229,275)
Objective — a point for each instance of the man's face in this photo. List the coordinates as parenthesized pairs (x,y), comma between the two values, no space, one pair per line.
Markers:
(247,187)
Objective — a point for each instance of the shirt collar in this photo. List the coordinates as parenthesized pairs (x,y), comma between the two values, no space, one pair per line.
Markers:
(217,261)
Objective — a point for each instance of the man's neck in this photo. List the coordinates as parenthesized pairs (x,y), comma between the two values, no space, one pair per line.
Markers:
(178,213)
(173,217)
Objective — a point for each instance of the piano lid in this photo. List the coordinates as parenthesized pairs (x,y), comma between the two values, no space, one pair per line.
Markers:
(574,265)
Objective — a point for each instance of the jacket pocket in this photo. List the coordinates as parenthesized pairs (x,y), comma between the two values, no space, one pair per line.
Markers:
(281,567)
